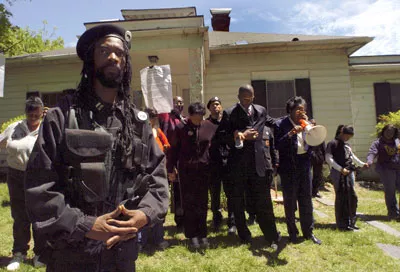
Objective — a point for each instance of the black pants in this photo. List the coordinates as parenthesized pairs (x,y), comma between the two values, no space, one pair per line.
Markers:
(316,177)
(220,174)
(296,187)
(345,199)
(120,258)
(194,182)
(21,225)
(177,207)
(247,180)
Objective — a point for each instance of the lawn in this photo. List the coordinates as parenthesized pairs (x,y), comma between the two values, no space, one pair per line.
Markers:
(340,251)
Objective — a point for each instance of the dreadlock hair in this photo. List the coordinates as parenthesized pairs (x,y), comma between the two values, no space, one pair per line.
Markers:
(85,94)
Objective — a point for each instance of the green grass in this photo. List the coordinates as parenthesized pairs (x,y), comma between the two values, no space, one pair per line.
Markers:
(340,251)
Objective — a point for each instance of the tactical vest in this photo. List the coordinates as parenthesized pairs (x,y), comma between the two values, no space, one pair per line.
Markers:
(90,155)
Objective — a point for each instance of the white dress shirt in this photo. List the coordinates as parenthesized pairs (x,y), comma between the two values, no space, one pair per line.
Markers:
(301,145)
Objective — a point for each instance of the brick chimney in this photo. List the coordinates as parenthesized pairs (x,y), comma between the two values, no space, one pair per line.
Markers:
(220,19)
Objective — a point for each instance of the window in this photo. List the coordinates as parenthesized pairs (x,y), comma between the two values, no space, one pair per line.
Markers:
(387,97)
(32,94)
(278,92)
(51,99)
(274,94)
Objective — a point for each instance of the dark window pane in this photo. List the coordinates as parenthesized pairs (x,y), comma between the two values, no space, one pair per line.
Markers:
(278,92)
(382,98)
(303,89)
(395,92)
(51,99)
(260,94)
(32,93)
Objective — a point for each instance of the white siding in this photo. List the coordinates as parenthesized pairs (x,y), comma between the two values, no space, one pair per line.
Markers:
(328,72)
(43,77)
(363,105)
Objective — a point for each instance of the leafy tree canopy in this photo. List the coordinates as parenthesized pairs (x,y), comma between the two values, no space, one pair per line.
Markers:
(16,41)
(392,118)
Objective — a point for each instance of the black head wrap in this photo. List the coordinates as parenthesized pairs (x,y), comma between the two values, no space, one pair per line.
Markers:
(92,35)
(212,100)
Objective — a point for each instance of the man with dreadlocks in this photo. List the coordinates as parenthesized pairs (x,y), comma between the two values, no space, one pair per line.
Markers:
(96,176)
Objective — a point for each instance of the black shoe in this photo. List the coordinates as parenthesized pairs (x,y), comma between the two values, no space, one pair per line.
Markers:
(346,229)
(194,243)
(251,220)
(204,243)
(354,227)
(232,230)
(314,239)
(275,244)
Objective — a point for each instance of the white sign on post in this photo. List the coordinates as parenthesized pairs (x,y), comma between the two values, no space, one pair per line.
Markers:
(157,88)
(2,74)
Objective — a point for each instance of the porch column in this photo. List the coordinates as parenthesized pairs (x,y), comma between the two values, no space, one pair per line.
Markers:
(196,63)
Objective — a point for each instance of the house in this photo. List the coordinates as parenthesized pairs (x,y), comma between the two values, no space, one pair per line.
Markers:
(339,89)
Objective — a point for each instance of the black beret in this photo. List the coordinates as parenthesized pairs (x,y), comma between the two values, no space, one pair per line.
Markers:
(92,35)
(212,100)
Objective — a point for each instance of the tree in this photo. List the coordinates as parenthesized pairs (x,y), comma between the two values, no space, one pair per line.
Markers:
(4,20)
(392,118)
(16,41)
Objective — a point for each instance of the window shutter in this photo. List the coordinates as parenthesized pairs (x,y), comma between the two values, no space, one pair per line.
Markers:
(260,92)
(395,96)
(32,93)
(303,89)
(383,103)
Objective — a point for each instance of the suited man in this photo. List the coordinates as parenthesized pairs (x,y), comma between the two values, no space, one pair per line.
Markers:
(248,166)
(294,169)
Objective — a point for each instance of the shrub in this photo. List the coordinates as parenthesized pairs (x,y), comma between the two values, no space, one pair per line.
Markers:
(12,120)
(390,118)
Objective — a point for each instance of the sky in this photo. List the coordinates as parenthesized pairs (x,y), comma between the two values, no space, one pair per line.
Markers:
(374,18)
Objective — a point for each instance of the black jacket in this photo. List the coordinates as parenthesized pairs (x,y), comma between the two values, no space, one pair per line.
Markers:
(286,146)
(271,154)
(219,149)
(239,120)
(318,153)
(62,219)
(191,145)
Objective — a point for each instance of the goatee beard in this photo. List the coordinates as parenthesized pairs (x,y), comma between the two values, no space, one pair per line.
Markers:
(109,82)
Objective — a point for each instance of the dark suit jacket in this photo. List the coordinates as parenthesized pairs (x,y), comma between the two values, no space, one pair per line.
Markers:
(270,153)
(239,120)
(286,146)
